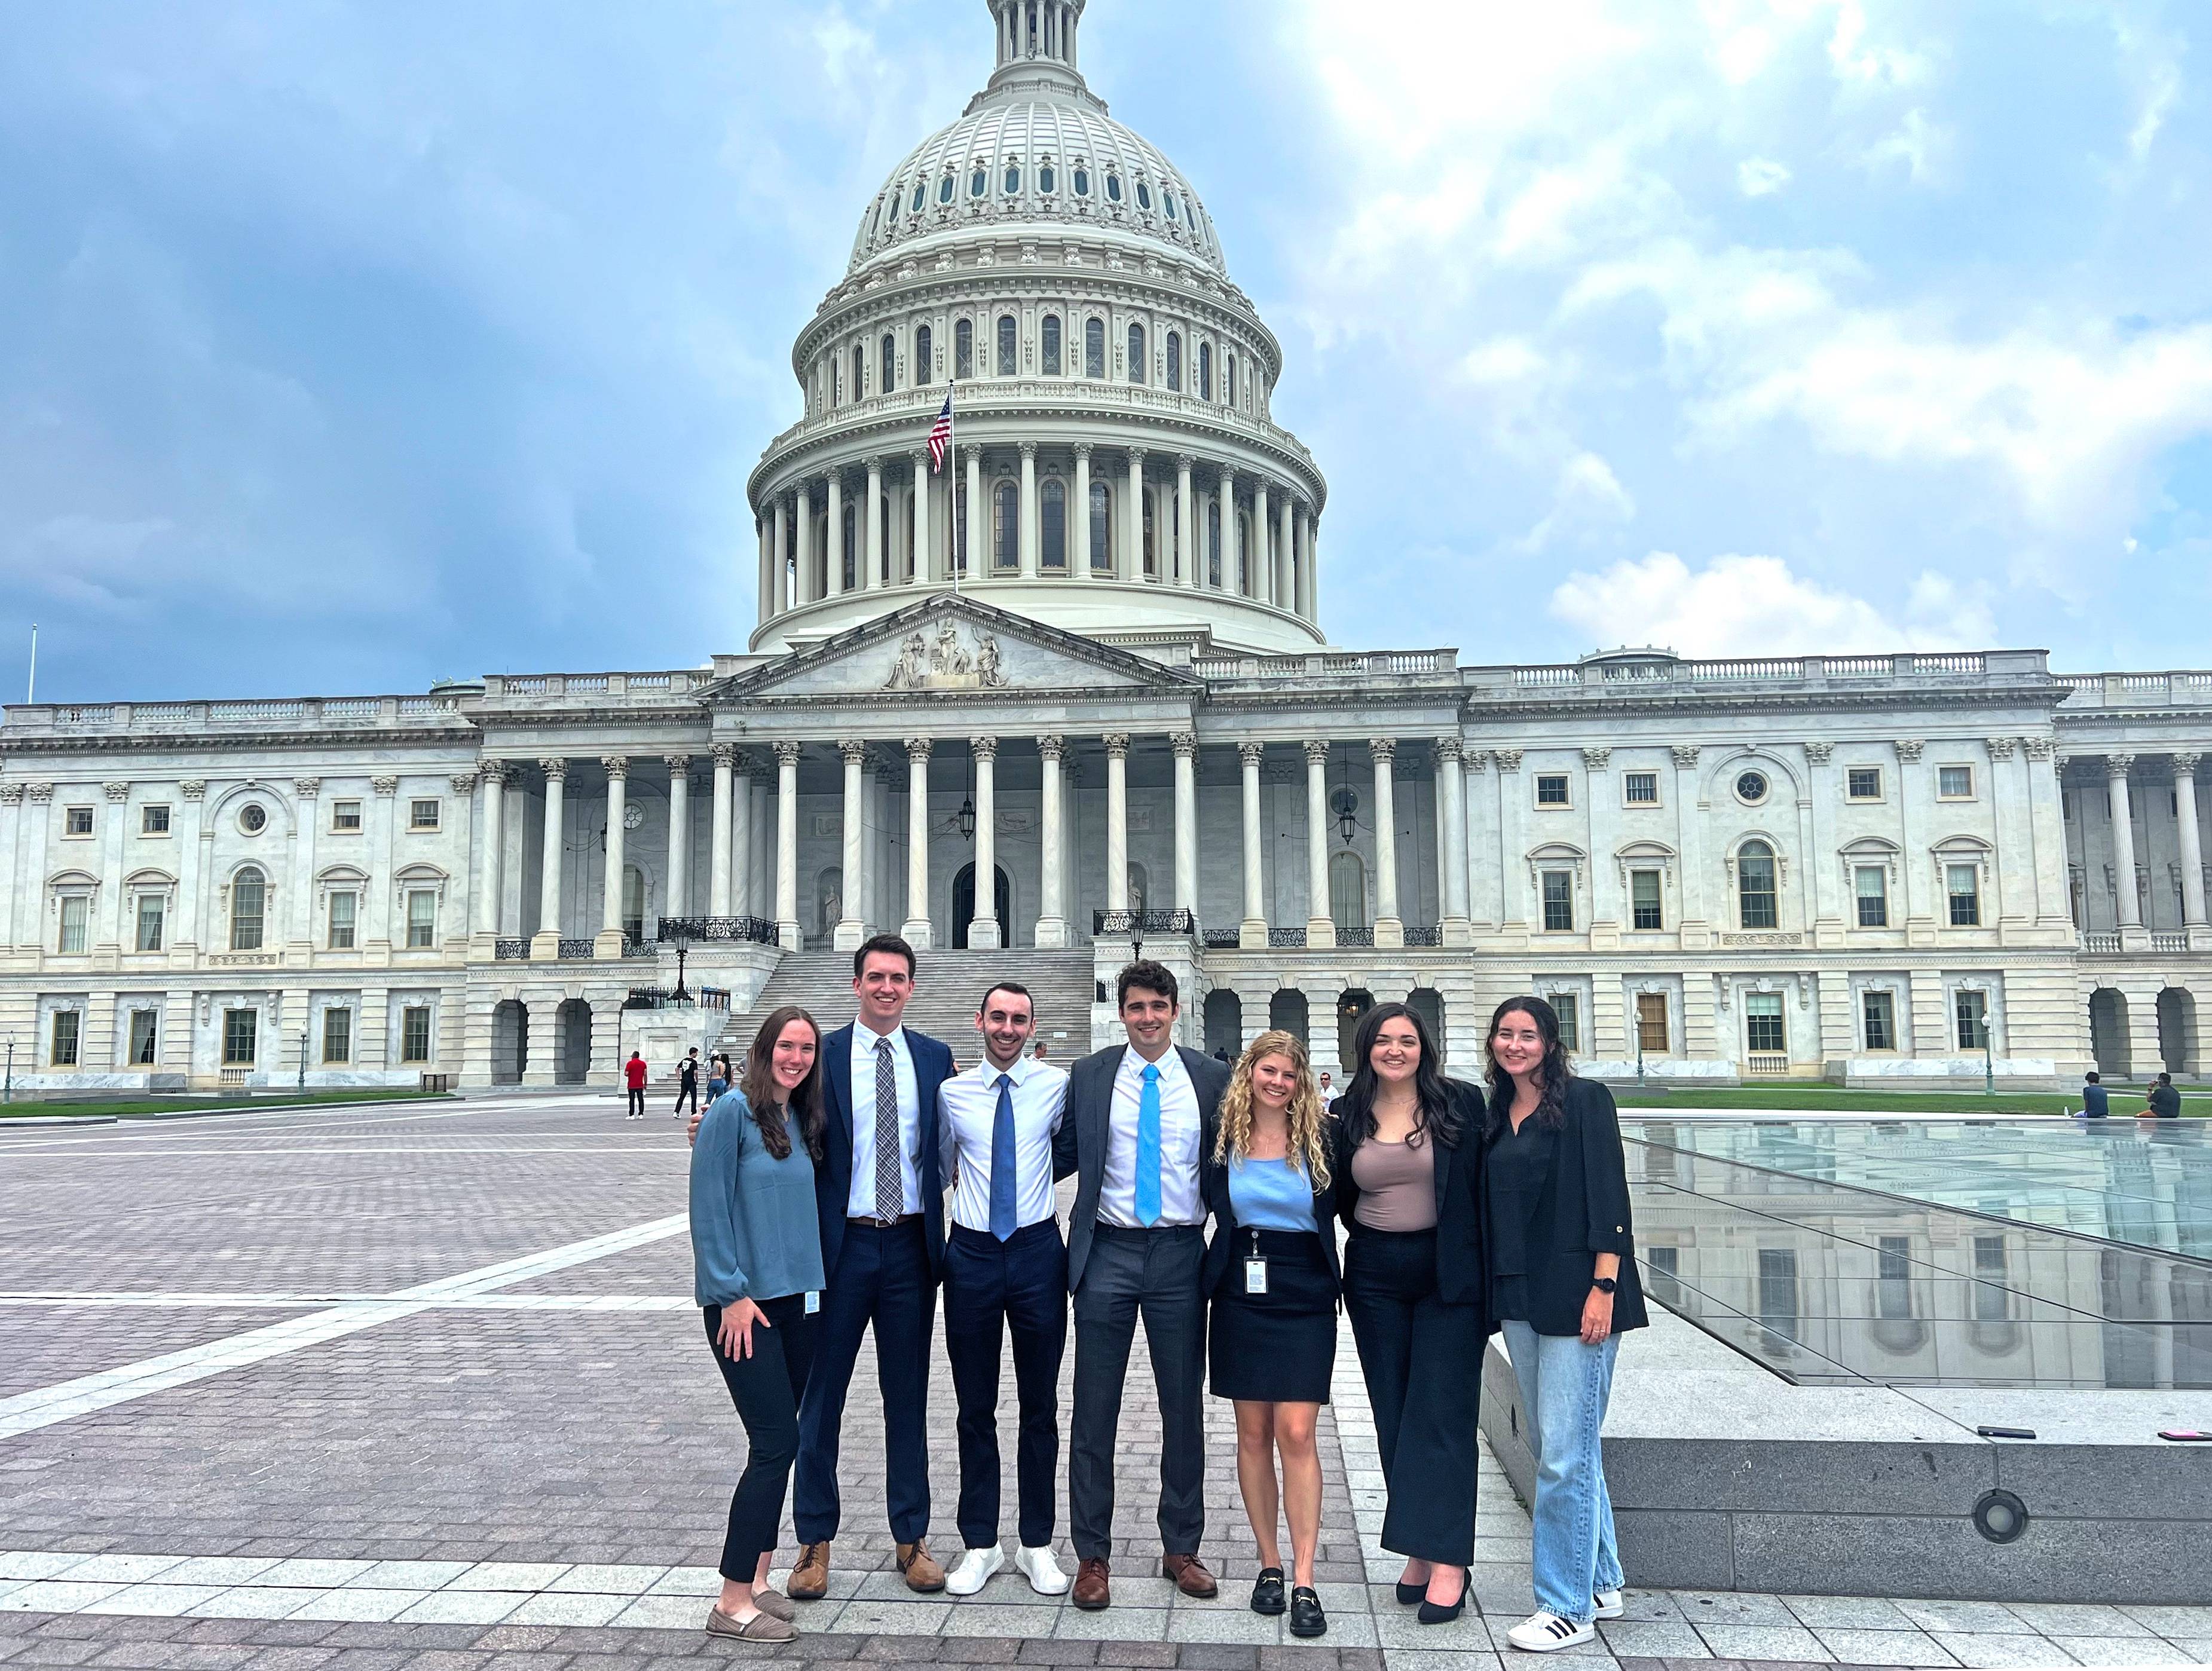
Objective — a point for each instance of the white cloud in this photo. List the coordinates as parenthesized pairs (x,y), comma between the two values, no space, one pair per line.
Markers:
(1756,605)
(1760,176)
(1917,143)
(1586,496)
(1866,63)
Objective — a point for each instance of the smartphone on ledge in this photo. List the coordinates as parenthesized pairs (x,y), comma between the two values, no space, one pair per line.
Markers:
(2182,1434)
(2006,1432)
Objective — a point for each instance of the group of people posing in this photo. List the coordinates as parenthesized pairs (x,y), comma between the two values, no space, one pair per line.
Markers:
(819,1194)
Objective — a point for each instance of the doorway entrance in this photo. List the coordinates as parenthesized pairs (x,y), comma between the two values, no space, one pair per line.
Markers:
(963,904)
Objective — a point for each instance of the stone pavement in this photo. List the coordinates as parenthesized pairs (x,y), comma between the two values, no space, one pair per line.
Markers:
(377,1387)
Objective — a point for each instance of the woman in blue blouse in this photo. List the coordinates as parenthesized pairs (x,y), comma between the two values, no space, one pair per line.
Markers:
(1273,1276)
(756,1247)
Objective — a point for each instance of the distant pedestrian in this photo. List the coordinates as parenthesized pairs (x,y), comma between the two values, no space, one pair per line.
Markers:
(2096,1103)
(634,1076)
(1327,1089)
(1039,1052)
(687,1083)
(718,1076)
(1221,1054)
(2165,1100)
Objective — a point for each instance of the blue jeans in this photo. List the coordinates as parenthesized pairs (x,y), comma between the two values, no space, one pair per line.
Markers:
(1565,1386)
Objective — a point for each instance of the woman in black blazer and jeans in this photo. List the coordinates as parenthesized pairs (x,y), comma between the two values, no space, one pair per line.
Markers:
(1562,1282)
(1408,1156)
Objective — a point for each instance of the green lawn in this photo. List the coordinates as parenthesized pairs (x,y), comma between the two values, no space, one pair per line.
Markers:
(139,1107)
(1793,1098)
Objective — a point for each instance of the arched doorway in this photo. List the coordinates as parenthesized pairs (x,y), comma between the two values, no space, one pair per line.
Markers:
(1287,1013)
(963,904)
(572,1033)
(1428,1003)
(2108,1032)
(1348,890)
(1224,1022)
(1351,1006)
(510,1042)
(2177,1029)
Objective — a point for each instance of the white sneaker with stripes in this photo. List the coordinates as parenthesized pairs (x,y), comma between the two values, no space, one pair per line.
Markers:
(1547,1633)
(1609,1604)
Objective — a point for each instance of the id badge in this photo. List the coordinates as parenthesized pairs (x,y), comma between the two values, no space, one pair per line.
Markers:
(813,1301)
(1255,1276)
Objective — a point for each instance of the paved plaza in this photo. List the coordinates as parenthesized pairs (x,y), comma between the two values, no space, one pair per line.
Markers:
(388,1385)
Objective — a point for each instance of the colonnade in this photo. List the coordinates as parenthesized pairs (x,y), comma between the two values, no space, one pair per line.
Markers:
(2127,899)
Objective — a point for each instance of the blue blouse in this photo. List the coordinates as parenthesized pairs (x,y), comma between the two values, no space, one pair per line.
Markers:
(1269,1194)
(755,1232)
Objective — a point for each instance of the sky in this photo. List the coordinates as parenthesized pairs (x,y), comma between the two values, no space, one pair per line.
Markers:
(344,348)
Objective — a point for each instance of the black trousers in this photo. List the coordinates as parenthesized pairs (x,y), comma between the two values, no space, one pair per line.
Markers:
(637,1101)
(991,1289)
(688,1091)
(1155,1272)
(766,1388)
(1422,1361)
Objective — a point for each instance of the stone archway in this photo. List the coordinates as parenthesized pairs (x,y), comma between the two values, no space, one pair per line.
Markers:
(1428,1004)
(510,1042)
(572,1036)
(2108,1032)
(1351,1007)
(2177,1029)
(1287,1013)
(963,904)
(1224,1022)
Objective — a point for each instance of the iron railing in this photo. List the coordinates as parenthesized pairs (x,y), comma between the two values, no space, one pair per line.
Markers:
(1140,924)
(1223,939)
(1354,936)
(1424,934)
(1288,938)
(511,952)
(576,950)
(757,931)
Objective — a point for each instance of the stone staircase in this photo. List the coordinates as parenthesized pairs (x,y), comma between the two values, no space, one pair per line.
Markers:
(950,986)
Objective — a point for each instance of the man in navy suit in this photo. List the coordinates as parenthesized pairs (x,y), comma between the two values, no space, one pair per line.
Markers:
(880,1191)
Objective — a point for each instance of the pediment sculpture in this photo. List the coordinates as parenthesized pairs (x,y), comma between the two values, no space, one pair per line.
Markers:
(948,663)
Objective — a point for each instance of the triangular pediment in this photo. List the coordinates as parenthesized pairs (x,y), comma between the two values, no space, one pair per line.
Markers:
(951,644)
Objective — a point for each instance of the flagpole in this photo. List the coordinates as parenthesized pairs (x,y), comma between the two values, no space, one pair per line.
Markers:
(952,478)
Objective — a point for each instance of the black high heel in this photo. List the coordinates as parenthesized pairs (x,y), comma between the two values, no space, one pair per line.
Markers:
(1410,1594)
(1431,1613)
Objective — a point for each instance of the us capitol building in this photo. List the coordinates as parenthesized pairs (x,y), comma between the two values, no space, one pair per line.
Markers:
(1086,664)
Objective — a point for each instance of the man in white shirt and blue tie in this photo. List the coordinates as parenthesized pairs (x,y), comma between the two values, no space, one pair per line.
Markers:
(1006,1271)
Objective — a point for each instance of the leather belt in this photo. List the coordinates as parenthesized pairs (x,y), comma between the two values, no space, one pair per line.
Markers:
(874,1223)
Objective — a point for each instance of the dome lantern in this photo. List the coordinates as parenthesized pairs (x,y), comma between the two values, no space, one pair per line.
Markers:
(1037,34)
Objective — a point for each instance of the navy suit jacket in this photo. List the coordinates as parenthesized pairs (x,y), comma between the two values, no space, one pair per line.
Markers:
(833,1178)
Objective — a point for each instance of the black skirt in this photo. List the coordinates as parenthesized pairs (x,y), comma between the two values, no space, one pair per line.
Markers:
(1278,1348)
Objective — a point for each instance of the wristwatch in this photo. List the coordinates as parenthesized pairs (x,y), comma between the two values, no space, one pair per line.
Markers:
(1604,1285)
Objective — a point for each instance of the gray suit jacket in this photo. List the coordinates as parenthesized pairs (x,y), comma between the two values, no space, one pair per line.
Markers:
(1079,1145)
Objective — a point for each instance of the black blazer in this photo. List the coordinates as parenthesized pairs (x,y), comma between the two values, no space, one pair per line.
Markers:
(1080,1145)
(833,1178)
(1580,1211)
(1213,1185)
(1462,1269)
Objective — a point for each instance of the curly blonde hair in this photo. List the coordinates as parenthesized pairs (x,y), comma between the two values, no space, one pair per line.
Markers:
(1309,1143)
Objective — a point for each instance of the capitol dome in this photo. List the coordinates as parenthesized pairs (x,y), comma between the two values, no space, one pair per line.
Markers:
(1114,467)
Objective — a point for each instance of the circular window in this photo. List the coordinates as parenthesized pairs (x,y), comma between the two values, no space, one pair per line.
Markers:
(253,817)
(1082,182)
(633,817)
(1751,788)
(1113,188)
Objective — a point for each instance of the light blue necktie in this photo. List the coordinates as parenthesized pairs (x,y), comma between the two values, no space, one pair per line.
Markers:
(1002,1163)
(1148,1149)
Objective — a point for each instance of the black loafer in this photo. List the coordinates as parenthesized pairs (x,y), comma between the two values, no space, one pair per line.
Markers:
(1431,1613)
(1410,1594)
(1306,1617)
(1267,1591)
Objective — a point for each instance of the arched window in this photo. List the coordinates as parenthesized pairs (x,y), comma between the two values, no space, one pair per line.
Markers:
(1113,188)
(1009,361)
(1206,371)
(1152,546)
(1082,181)
(1755,885)
(1229,381)
(1048,181)
(945,190)
(1055,523)
(1136,354)
(1014,180)
(249,896)
(1143,194)
(1051,333)
(859,372)
(925,355)
(1213,544)
(979,182)
(1348,890)
(1175,361)
(1250,552)
(1094,348)
(1005,547)
(963,350)
(921,197)
(1102,528)
(1167,202)
(887,378)
(852,544)
(633,900)
(959,524)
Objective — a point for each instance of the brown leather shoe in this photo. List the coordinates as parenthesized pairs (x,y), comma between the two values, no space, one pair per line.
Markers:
(810,1579)
(1190,1576)
(1093,1590)
(923,1574)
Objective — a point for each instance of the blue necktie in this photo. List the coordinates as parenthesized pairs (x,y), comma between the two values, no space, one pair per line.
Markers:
(1148,1149)
(1002,1163)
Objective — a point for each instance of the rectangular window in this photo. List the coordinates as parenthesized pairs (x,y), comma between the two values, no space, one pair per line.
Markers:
(422,815)
(963,350)
(342,921)
(239,1030)
(1664,1261)
(1879,1011)
(1762,1024)
(1871,883)
(1893,1285)
(1558,901)
(153,820)
(1991,1280)
(1864,783)
(337,1036)
(345,817)
(421,918)
(1644,900)
(1972,1011)
(76,912)
(66,1025)
(1552,789)
(415,1033)
(1963,883)
(1651,1022)
(77,821)
(145,1036)
(1954,782)
(1777,1291)
(153,920)
(1640,789)
(1568,1007)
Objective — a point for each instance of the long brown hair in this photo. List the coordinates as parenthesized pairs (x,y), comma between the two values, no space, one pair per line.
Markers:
(765,1098)
(1307,1147)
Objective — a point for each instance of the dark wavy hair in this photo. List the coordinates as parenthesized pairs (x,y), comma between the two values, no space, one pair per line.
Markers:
(765,1098)
(1552,1073)
(1433,1100)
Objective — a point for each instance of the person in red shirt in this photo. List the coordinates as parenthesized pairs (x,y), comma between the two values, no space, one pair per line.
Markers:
(634,1072)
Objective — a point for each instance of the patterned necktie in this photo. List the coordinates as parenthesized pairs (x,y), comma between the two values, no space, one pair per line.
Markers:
(1148,1149)
(890,1187)
(1002,1162)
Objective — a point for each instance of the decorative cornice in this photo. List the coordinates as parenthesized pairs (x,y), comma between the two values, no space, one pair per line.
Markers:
(1448,748)
(2186,764)
(615,765)
(726,755)
(11,795)
(1476,760)
(2039,748)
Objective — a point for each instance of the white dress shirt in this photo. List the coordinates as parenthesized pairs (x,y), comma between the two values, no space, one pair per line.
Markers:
(1181,1131)
(968,1114)
(860,1197)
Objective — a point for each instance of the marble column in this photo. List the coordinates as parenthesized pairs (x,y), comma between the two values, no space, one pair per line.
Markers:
(1321,923)
(1232,575)
(871,543)
(984,928)
(678,897)
(924,570)
(1309,569)
(808,589)
(1133,530)
(1389,926)
(1194,567)
(490,877)
(1253,931)
(779,601)
(1052,906)
(787,931)
(1030,529)
(763,527)
(739,846)
(545,944)
(1118,821)
(1286,556)
(917,927)
(718,858)
(1185,746)
(2123,839)
(1080,513)
(1262,583)
(977,544)
(2192,839)
(609,944)
(834,542)
(851,927)
(1451,782)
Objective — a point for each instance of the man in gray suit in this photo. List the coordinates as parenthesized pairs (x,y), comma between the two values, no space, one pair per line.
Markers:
(1139,1118)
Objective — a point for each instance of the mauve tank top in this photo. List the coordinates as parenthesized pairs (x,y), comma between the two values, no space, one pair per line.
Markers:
(1397,1184)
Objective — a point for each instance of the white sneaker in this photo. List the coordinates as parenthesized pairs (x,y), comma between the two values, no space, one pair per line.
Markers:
(1609,1604)
(1547,1632)
(1043,1571)
(972,1570)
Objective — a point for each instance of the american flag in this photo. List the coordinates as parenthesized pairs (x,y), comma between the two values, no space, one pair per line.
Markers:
(941,436)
